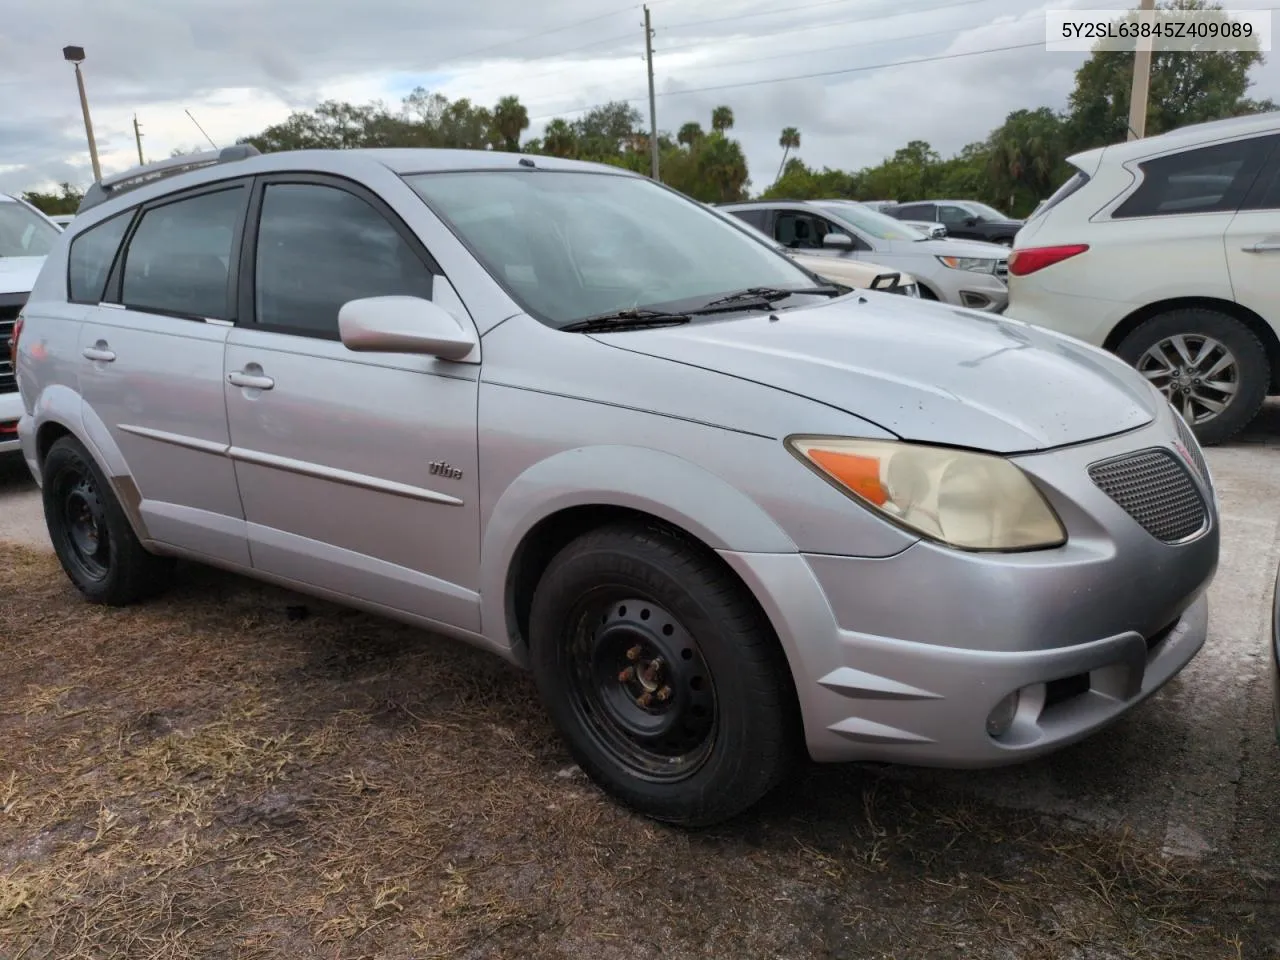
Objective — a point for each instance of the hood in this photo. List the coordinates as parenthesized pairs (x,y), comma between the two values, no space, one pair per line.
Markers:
(18,274)
(924,371)
(1004,224)
(951,247)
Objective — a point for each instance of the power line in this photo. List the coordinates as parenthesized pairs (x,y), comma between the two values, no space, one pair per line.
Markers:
(804,76)
(836,23)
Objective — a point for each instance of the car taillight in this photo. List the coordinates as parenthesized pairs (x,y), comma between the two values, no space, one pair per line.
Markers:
(13,342)
(1023,262)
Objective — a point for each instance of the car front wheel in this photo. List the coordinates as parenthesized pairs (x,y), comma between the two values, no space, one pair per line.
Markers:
(1213,369)
(662,675)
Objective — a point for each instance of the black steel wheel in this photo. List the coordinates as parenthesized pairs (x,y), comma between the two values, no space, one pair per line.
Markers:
(662,674)
(641,686)
(90,533)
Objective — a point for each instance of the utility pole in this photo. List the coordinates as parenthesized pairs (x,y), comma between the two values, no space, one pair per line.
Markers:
(1138,93)
(653,109)
(76,56)
(137,138)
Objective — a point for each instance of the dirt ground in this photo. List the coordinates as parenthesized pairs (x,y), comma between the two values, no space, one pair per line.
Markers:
(226,773)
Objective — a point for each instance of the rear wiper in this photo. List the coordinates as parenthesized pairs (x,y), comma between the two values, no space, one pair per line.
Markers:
(627,319)
(764,296)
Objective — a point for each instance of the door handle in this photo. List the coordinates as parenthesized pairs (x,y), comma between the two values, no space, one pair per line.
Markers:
(1266,247)
(99,353)
(253,381)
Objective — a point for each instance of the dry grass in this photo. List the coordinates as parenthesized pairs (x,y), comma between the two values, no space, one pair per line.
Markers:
(212,775)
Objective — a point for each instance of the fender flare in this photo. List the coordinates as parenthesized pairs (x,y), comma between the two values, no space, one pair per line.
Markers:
(661,484)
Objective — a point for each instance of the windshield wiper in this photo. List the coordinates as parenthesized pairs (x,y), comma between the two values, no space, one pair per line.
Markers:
(764,296)
(627,319)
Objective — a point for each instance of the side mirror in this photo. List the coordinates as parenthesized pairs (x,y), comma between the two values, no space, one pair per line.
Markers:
(403,325)
(842,240)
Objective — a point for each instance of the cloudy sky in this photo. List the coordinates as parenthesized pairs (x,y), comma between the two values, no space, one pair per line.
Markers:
(239,65)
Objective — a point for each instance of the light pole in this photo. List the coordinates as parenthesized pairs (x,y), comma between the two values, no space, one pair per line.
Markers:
(75,55)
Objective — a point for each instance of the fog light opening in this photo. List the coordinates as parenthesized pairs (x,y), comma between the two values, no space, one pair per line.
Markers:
(1000,719)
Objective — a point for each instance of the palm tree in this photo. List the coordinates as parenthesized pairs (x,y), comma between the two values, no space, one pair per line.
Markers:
(690,133)
(789,140)
(559,139)
(510,119)
(721,119)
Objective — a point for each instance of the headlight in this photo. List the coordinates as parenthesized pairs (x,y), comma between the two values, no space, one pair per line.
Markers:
(976,264)
(972,501)
(907,290)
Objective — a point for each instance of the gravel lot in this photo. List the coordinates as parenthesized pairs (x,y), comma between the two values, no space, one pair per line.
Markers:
(234,771)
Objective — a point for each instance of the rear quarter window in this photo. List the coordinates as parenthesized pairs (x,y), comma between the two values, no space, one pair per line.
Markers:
(91,255)
(1211,179)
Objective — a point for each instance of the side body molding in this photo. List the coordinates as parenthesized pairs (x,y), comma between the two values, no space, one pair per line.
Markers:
(666,486)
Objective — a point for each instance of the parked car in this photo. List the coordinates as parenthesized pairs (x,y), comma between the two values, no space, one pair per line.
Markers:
(26,235)
(1165,250)
(854,273)
(966,219)
(962,273)
(557,410)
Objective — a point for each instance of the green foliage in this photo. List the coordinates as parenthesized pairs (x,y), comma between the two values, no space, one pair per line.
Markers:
(66,199)
(1014,167)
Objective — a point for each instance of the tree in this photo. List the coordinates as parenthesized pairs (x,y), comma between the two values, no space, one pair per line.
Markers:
(790,140)
(510,119)
(1025,156)
(602,131)
(690,133)
(66,199)
(1186,87)
(559,139)
(721,119)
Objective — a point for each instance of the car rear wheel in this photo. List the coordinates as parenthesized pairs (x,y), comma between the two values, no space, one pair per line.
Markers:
(91,536)
(1212,368)
(662,675)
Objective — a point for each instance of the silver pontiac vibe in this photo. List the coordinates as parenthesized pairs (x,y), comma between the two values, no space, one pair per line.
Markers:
(726,511)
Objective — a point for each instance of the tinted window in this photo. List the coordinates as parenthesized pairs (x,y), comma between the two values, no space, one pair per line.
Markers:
(23,232)
(757,218)
(320,247)
(91,256)
(179,257)
(1206,180)
(915,211)
(1265,194)
(879,225)
(951,215)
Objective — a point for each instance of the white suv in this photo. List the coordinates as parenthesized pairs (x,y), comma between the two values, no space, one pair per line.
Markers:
(1167,251)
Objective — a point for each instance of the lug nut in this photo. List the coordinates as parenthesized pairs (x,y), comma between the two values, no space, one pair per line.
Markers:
(634,653)
(627,675)
(646,698)
(664,694)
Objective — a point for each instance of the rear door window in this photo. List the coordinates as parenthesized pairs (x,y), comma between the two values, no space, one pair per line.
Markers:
(1213,179)
(179,258)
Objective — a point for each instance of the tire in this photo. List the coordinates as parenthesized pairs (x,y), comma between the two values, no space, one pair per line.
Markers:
(1151,348)
(91,535)
(727,730)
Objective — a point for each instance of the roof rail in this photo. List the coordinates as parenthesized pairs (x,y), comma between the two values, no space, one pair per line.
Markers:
(136,177)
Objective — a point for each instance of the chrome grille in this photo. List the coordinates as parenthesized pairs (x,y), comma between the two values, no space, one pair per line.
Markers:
(1193,447)
(8,382)
(1002,269)
(1154,488)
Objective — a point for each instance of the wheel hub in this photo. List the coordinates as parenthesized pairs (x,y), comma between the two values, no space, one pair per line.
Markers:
(85,526)
(1197,374)
(643,682)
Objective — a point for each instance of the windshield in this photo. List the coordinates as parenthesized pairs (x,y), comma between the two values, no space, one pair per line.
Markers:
(24,233)
(570,245)
(982,211)
(879,225)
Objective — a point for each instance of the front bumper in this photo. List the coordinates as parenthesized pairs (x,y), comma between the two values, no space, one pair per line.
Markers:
(975,291)
(10,412)
(903,659)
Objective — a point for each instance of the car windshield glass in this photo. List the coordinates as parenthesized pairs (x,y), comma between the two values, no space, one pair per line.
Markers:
(983,211)
(569,245)
(879,225)
(23,233)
